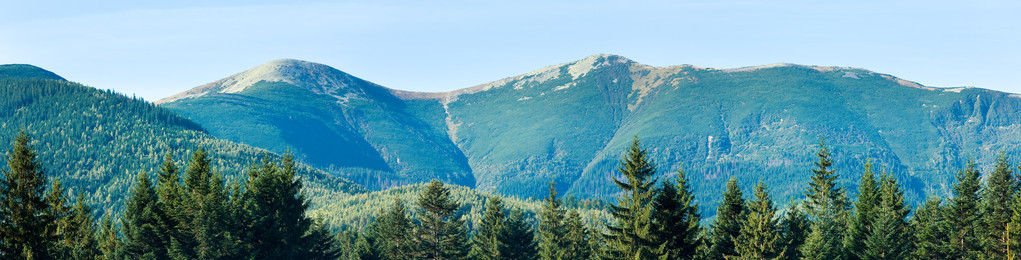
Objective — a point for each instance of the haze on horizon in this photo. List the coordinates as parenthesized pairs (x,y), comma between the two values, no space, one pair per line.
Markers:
(157,49)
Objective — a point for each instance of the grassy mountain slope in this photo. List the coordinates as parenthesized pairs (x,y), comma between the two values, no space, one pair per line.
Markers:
(571,122)
(331,120)
(95,141)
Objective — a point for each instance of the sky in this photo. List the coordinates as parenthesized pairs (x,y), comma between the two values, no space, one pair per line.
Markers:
(154,49)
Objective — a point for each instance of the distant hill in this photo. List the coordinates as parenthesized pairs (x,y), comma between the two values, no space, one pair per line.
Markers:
(571,122)
(95,141)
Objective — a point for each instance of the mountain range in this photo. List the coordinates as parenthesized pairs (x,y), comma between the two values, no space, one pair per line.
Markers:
(569,123)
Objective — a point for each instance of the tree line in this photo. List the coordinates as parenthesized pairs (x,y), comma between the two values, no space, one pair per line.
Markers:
(193,213)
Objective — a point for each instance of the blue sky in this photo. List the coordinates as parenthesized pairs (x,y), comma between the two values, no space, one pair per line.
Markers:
(157,48)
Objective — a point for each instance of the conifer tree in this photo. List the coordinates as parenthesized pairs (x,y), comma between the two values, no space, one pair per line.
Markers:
(576,244)
(794,228)
(760,232)
(860,225)
(1014,244)
(551,226)
(517,238)
(441,233)
(486,243)
(277,204)
(998,195)
(676,219)
(206,209)
(59,212)
(890,237)
(81,237)
(932,236)
(630,235)
(109,243)
(963,214)
(727,226)
(827,209)
(26,222)
(143,237)
(394,230)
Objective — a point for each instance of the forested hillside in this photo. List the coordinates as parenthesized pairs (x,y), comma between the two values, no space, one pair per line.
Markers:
(96,141)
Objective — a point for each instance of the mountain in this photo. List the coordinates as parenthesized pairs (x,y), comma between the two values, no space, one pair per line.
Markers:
(96,141)
(571,122)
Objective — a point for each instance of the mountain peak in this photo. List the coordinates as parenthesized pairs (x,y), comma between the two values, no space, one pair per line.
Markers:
(317,78)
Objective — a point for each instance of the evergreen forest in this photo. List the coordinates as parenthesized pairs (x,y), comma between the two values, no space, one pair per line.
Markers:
(191,211)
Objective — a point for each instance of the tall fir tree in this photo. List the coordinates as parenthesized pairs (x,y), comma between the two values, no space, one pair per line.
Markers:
(109,241)
(206,210)
(486,242)
(394,230)
(963,214)
(676,219)
(576,240)
(441,233)
(827,209)
(860,224)
(517,238)
(760,233)
(59,212)
(81,238)
(998,194)
(1014,229)
(551,226)
(277,205)
(727,226)
(932,234)
(630,235)
(891,235)
(170,199)
(143,236)
(794,228)
(27,226)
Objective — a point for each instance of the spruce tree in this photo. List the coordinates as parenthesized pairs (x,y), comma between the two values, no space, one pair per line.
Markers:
(760,232)
(59,212)
(891,235)
(143,237)
(441,233)
(109,242)
(676,219)
(206,211)
(630,235)
(81,237)
(727,226)
(551,226)
(1014,243)
(1000,190)
(394,229)
(26,222)
(860,225)
(576,240)
(277,205)
(486,243)
(794,229)
(517,238)
(932,234)
(827,209)
(963,214)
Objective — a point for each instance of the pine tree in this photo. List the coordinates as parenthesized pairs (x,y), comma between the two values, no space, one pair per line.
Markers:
(760,232)
(59,212)
(1000,190)
(206,210)
(860,225)
(81,237)
(441,233)
(827,209)
(277,204)
(109,243)
(143,237)
(26,222)
(486,243)
(551,226)
(676,220)
(517,238)
(963,214)
(932,236)
(890,237)
(727,225)
(630,235)
(794,228)
(394,229)
(576,245)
